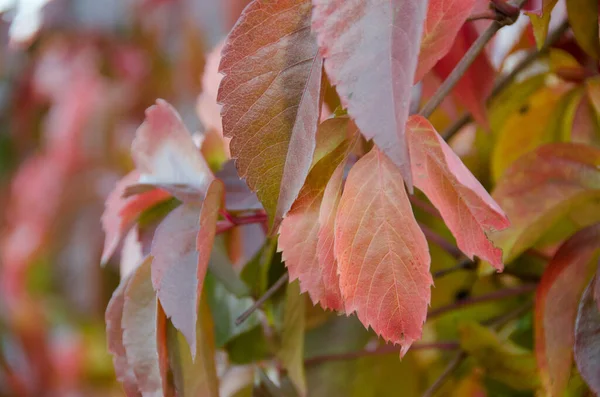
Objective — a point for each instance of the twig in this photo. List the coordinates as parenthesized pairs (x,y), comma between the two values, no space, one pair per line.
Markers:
(383,350)
(497,322)
(505,80)
(496,295)
(453,365)
(440,241)
(484,15)
(464,264)
(259,302)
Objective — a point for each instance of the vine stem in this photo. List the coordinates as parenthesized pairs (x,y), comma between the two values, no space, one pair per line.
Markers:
(468,59)
(260,301)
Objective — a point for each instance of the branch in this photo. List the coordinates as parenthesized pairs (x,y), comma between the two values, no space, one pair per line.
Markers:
(464,264)
(492,296)
(440,241)
(260,301)
(505,80)
(453,365)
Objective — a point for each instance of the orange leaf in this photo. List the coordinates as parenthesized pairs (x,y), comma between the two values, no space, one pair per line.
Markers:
(464,204)
(371,49)
(383,258)
(558,294)
(271,97)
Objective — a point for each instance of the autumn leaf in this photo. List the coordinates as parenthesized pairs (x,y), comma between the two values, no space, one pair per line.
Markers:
(271,97)
(444,20)
(371,52)
(120,213)
(291,352)
(556,302)
(299,232)
(181,249)
(166,156)
(464,204)
(583,19)
(473,89)
(383,258)
(540,20)
(542,187)
(587,343)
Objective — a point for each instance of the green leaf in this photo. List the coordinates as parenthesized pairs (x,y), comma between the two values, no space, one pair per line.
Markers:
(583,18)
(291,352)
(542,22)
(221,267)
(502,360)
(249,347)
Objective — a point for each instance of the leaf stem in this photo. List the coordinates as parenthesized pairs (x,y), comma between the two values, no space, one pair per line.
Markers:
(440,241)
(232,221)
(464,264)
(468,59)
(452,366)
(260,301)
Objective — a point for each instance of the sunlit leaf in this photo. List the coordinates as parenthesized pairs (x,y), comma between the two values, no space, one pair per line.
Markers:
(583,19)
(464,204)
(587,338)
(371,50)
(542,187)
(557,299)
(383,258)
(271,97)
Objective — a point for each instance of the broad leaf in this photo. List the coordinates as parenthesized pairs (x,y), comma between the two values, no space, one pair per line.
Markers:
(292,337)
(181,249)
(120,213)
(587,338)
(383,258)
(166,156)
(371,51)
(271,97)
(444,20)
(556,303)
(583,19)
(502,360)
(299,232)
(542,187)
(464,204)
(476,84)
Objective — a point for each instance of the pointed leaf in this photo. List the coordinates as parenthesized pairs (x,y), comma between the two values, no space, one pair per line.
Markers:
(583,19)
(464,204)
(541,21)
(587,338)
(166,155)
(292,337)
(181,249)
(298,237)
(271,97)
(542,187)
(383,258)
(120,213)
(444,20)
(558,294)
(371,51)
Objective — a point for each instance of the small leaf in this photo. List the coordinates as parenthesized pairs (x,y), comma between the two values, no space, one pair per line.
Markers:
(166,156)
(541,21)
(587,338)
(557,297)
(383,258)
(502,360)
(464,204)
(543,187)
(444,20)
(271,97)
(371,50)
(181,249)
(583,19)
(291,352)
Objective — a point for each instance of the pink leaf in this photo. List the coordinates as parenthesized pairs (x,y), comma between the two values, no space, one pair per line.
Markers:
(167,157)
(271,96)
(120,213)
(465,205)
(371,50)
(383,258)
(587,338)
(181,249)
(557,297)
(444,20)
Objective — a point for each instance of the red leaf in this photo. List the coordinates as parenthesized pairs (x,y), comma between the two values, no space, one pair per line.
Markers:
(371,50)
(556,301)
(587,338)
(476,84)
(167,157)
(298,239)
(444,20)
(464,204)
(120,213)
(271,96)
(383,258)
(181,249)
